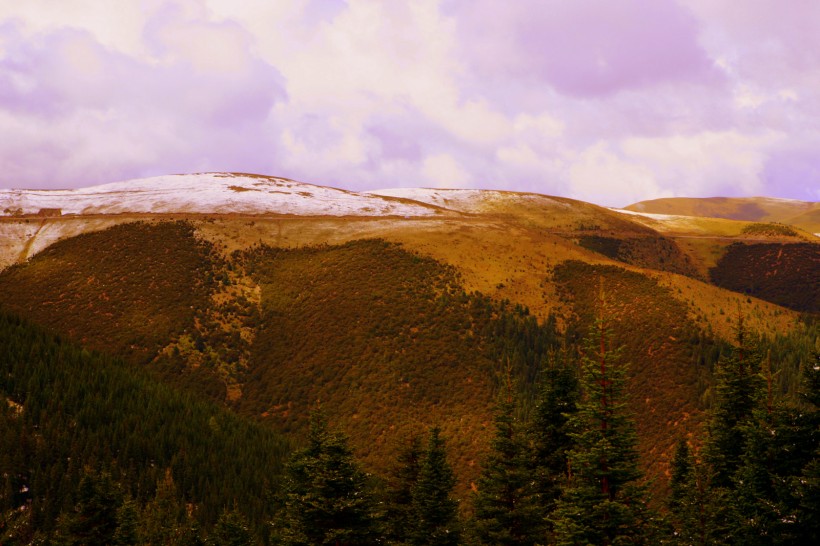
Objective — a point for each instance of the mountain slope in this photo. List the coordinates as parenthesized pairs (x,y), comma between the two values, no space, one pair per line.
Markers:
(208,193)
(753,209)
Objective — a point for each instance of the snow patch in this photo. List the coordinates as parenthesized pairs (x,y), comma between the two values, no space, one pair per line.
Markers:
(211,193)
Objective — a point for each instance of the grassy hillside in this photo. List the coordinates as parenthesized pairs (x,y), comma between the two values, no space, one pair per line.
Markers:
(670,358)
(786,274)
(127,289)
(651,252)
(387,337)
(802,214)
(388,342)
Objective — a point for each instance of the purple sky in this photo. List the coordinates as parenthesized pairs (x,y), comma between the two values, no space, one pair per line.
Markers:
(610,101)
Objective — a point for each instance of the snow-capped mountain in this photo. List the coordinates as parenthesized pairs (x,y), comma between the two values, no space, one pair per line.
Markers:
(210,193)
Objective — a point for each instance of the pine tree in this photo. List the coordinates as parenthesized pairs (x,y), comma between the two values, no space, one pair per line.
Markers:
(774,480)
(127,533)
(436,512)
(738,388)
(326,501)
(550,433)
(399,518)
(506,508)
(94,519)
(232,529)
(681,475)
(603,502)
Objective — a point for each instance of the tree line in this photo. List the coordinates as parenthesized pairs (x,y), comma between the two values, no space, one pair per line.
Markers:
(94,452)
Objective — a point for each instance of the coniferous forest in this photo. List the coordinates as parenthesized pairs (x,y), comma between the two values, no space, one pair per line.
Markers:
(271,396)
(96,452)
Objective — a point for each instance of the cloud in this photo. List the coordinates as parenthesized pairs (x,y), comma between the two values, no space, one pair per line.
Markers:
(583,47)
(606,101)
(98,114)
(442,171)
(701,165)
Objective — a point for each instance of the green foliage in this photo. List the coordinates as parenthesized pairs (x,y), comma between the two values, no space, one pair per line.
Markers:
(436,512)
(738,390)
(769,230)
(774,481)
(651,252)
(550,434)
(506,505)
(681,474)
(791,273)
(602,502)
(126,290)
(232,529)
(398,517)
(94,519)
(670,357)
(326,495)
(389,340)
(81,410)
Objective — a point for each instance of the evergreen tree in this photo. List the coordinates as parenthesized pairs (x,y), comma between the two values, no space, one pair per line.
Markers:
(94,519)
(506,509)
(399,517)
(681,475)
(774,480)
(806,485)
(700,512)
(603,502)
(127,533)
(551,439)
(327,501)
(232,529)
(738,388)
(436,512)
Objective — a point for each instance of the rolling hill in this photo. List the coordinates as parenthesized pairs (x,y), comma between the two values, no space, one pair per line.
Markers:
(393,309)
(802,214)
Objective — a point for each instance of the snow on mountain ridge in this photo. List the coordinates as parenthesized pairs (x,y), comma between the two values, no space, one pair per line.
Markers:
(466,200)
(211,193)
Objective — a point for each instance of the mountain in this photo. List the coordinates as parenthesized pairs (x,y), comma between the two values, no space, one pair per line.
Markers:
(802,214)
(206,193)
(395,309)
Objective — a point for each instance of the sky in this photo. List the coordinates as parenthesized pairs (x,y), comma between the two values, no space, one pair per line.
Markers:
(608,101)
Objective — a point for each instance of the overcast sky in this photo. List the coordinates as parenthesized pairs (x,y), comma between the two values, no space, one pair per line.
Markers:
(609,101)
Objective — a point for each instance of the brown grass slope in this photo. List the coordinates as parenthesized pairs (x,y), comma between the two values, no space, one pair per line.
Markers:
(802,214)
(387,342)
(669,358)
(387,338)
(126,290)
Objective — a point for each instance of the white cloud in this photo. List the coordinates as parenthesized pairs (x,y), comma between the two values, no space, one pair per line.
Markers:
(600,176)
(443,171)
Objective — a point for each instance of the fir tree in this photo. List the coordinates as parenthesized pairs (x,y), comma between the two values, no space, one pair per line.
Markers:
(94,519)
(232,529)
(550,433)
(127,533)
(436,512)
(681,475)
(327,501)
(602,502)
(399,517)
(738,387)
(506,509)
(774,480)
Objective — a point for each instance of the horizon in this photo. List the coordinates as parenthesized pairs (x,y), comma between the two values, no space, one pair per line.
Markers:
(609,104)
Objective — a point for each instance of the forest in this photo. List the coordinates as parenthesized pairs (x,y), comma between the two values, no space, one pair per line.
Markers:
(99,452)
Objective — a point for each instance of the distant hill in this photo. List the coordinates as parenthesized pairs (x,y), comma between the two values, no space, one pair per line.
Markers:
(803,214)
